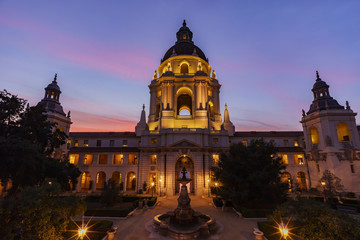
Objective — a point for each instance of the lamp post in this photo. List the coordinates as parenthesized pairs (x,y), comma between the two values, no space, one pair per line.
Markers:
(152,192)
(323,184)
(82,231)
(160,186)
(208,187)
(284,231)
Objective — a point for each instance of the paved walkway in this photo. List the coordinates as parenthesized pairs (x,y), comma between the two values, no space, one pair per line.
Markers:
(231,226)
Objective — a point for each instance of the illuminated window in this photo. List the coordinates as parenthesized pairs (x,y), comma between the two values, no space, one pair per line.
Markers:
(116,177)
(153,159)
(284,158)
(154,140)
(112,143)
(85,181)
(301,180)
(68,143)
(296,144)
(86,143)
(125,143)
(118,159)
(100,180)
(132,159)
(184,36)
(299,159)
(184,68)
(245,143)
(215,158)
(103,158)
(314,134)
(158,93)
(88,159)
(76,143)
(98,143)
(286,178)
(74,158)
(343,132)
(215,140)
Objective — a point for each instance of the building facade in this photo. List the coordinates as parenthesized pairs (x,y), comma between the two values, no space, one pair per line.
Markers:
(185,128)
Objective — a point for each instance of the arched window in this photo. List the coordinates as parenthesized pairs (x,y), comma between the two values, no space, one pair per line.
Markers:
(116,177)
(301,180)
(184,102)
(85,181)
(211,111)
(184,68)
(314,134)
(100,180)
(286,178)
(130,181)
(343,132)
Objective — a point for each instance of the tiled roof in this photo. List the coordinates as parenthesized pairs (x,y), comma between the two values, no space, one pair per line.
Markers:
(102,134)
(270,134)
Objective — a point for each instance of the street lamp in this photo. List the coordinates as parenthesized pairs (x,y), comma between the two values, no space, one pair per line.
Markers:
(208,187)
(82,231)
(284,231)
(323,184)
(160,186)
(152,192)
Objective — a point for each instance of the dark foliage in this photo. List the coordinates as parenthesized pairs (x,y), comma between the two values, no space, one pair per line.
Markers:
(251,175)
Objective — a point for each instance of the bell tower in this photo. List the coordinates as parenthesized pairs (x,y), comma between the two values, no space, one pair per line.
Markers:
(55,112)
(331,137)
(185,94)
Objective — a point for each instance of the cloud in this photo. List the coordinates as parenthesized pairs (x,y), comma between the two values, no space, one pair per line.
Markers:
(130,62)
(83,121)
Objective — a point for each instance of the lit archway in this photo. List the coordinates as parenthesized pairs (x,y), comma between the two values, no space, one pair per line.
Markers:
(314,135)
(184,68)
(116,177)
(301,180)
(211,111)
(286,178)
(184,100)
(100,180)
(343,132)
(130,181)
(187,162)
(85,181)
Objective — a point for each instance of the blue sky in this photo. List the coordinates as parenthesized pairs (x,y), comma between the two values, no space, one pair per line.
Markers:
(265,54)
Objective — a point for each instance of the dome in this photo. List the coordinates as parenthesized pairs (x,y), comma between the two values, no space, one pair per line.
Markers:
(184,48)
(319,83)
(184,45)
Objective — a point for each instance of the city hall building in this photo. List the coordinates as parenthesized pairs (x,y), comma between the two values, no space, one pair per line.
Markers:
(185,128)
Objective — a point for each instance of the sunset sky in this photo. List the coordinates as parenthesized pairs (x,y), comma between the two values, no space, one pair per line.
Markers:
(265,54)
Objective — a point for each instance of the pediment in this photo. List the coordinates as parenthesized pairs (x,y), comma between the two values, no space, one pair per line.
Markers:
(184,144)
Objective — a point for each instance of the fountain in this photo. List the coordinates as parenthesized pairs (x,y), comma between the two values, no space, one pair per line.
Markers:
(184,222)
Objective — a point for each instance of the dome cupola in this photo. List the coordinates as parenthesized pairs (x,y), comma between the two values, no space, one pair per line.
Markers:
(51,99)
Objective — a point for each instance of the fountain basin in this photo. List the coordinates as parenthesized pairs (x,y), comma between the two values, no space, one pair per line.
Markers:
(199,225)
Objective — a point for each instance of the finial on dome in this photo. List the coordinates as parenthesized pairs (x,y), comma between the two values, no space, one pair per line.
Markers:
(225,106)
(55,78)
(143,107)
(213,74)
(317,76)
(184,23)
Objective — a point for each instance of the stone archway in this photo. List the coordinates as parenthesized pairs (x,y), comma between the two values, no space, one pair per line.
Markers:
(188,163)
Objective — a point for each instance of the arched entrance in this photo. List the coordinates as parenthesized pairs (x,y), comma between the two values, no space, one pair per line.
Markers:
(181,162)
(130,181)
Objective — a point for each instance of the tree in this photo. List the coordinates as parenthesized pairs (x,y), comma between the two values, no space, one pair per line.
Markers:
(330,184)
(110,193)
(27,140)
(251,175)
(39,213)
(312,220)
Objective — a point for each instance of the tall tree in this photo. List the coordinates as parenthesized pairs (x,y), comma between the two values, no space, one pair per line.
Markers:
(251,174)
(27,140)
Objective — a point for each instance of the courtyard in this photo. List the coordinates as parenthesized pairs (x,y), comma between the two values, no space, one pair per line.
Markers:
(231,226)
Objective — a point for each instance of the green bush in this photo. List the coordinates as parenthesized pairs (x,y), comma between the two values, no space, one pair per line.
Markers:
(350,195)
(130,198)
(109,212)
(351,201)
(92,198)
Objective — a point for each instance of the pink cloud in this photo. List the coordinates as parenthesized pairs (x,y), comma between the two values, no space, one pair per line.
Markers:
(134,62)
(91,122)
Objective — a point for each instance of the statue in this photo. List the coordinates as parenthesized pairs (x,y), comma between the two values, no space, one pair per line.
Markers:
(169,67)
(303,113)
(347,105)
(213,74)
(68,114)
(199,68)
(155,75)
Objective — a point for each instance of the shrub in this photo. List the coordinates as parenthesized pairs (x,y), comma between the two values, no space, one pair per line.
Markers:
(350,195)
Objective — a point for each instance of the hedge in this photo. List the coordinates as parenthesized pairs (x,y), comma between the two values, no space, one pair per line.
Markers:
(109,212)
